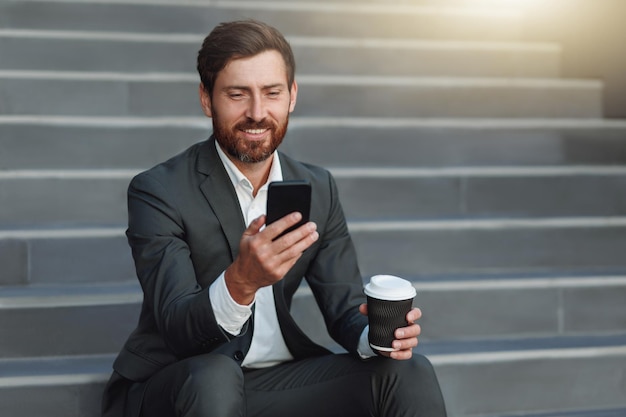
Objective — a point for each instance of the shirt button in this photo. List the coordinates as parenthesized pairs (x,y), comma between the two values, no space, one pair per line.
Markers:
(238,356)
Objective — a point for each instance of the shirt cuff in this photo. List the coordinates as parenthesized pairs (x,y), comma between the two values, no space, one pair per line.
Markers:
(364,349)
(230,315)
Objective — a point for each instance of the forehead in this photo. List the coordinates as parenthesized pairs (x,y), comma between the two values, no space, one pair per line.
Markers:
(265,68)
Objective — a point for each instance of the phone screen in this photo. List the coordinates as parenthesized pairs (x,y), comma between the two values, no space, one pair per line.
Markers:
(284,197)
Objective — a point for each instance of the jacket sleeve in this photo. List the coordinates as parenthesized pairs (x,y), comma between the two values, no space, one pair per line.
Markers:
(180,307)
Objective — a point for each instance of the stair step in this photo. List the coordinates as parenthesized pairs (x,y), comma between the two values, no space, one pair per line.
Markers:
(551,378)
(500,246)
(415,249)
(395,194)
(87,319)
(497,314)
(127,94)
(358,142)
(291,18)
(62,387)
(132,52)
(522,306)
(427,58)
(62,198)
(87,197)
(449,349)
(533,381)
(67,319)
(95,142)
(86,255)
(44,371)
(448,97)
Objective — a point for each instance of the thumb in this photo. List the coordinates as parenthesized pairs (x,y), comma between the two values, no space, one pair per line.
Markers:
(255,226)
(363,309)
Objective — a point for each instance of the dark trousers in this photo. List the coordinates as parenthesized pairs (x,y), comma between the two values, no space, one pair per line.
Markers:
(214,385)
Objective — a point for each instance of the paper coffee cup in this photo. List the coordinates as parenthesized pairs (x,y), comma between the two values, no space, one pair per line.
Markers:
(389,299)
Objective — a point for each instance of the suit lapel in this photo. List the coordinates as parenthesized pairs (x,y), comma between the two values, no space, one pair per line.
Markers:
(219,192)
(288,169)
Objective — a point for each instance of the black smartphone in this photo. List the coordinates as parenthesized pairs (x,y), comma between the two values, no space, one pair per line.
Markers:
(284,197)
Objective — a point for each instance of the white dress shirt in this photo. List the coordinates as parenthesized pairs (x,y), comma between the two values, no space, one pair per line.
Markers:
(268,346)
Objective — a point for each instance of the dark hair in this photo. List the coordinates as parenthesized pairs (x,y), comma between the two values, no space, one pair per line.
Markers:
(240,39)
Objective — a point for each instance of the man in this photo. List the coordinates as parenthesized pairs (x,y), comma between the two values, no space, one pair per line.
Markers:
(215,336)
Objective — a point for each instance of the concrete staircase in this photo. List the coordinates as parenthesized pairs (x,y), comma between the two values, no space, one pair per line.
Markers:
(465,164)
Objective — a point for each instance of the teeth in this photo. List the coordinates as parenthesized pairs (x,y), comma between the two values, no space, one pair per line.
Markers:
(255,131)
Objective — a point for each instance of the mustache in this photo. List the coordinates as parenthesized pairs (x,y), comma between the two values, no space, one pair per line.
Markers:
(250,124)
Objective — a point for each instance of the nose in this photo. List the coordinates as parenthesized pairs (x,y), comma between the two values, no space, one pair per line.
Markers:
(256,109)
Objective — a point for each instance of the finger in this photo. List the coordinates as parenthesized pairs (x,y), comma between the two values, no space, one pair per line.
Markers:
(297,241)
(413,315)
(404,344)
(296,250)
(285,254)
(401,355)
(413,330)
(282,224)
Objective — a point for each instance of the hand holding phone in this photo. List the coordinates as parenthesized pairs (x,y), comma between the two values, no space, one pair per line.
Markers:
(284,197)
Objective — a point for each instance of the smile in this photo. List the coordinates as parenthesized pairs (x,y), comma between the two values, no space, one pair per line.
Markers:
(255,131)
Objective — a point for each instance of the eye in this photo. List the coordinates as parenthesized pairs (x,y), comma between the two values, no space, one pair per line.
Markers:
(236,93)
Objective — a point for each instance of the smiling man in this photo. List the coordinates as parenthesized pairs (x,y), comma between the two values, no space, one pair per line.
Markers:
(215,335)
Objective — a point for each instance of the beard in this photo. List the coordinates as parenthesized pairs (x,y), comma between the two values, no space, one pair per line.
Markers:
(244,150)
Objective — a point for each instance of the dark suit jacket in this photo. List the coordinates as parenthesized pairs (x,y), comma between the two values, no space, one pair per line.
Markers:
(185,224)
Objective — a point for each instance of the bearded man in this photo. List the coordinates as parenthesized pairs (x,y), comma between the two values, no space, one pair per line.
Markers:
(215,335)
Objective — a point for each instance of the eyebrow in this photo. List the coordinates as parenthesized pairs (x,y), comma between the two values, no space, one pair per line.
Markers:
(246,88)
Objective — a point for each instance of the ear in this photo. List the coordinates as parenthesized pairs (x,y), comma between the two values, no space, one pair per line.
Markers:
(293,93)
(205,101)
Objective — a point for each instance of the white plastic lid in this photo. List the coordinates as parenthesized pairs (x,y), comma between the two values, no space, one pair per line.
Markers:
(389,287)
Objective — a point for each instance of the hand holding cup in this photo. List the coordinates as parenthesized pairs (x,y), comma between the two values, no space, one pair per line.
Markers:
(392,331)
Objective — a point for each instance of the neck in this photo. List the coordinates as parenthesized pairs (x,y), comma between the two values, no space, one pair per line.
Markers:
(256,172)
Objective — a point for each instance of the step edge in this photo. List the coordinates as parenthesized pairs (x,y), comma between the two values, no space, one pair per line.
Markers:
(108,122)
(57,370)
(296,41)
(569,412)
(124,294)
(53,380)
(449,81)
(495,284)
(488,224)
(300,122)
(315,80)
(69,174)
(499,171)
(66,301)
(363,226)
(67,233)
(526,355)
(480,171)
(334,7)
(438,360)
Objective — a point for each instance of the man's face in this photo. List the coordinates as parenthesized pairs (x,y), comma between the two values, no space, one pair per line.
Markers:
(250,106)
